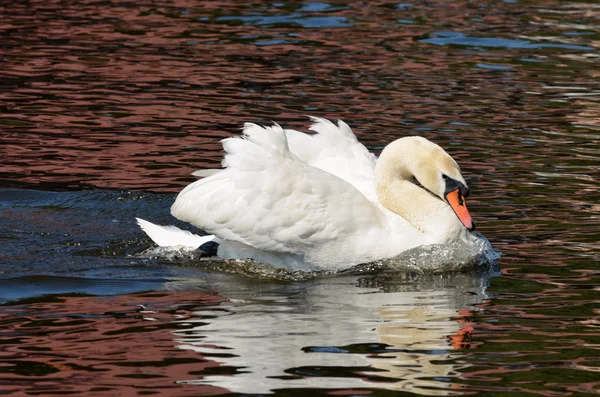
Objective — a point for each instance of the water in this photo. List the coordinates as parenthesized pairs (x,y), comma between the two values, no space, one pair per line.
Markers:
(107,107)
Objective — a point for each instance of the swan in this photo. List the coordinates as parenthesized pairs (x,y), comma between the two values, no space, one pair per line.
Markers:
(321,201)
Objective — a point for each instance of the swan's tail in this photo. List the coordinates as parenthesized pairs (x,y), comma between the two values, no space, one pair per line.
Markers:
(172,236)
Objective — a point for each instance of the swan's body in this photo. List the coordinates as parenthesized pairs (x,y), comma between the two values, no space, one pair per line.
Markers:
(322,201)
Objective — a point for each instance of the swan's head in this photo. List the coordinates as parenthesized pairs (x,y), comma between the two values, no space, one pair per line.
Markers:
(424,163)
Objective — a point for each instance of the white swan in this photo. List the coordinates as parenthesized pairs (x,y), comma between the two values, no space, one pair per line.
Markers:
(322,201)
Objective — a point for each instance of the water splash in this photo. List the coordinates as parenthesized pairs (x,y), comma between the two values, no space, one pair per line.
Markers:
(246,267)
(440,258)
(431,259)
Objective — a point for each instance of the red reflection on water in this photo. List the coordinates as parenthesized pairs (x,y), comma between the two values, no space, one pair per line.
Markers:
(96,346)
(137,95)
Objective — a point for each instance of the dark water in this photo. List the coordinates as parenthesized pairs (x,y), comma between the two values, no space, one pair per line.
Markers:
(106,108)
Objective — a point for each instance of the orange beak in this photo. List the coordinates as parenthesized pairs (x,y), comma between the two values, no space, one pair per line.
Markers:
(458,204)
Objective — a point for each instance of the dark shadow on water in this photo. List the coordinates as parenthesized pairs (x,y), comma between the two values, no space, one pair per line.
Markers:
(17,288)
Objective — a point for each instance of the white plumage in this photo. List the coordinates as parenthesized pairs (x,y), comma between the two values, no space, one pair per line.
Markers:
(172,236)
(319,201)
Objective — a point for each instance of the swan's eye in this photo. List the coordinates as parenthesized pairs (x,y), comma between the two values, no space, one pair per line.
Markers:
(444,176)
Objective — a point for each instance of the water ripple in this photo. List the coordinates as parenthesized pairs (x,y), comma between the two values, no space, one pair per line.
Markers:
(107,107)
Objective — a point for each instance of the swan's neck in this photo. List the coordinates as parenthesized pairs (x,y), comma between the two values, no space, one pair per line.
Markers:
(398,192)
(413,203)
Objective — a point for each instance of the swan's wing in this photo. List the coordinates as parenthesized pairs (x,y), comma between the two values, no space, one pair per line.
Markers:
(271,200)
(336,149)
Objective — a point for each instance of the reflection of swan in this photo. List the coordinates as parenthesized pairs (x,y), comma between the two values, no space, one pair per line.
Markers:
(293,199)
(289,338)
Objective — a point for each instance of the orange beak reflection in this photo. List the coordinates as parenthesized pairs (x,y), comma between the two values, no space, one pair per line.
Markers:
(459,205)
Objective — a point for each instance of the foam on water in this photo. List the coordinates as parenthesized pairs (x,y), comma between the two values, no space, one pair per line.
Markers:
(432,259)
(439,258)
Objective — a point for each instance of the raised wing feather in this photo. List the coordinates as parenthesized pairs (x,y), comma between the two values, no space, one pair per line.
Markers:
(271,200)
(336,149)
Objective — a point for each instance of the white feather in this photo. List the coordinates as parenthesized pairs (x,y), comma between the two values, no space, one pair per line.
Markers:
(206,172)
(172,236)
(336,150)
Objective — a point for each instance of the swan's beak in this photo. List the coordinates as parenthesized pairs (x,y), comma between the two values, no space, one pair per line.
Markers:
(457,201)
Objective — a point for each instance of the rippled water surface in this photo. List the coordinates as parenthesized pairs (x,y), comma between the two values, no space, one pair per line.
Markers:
(106,107)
